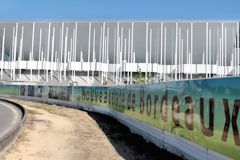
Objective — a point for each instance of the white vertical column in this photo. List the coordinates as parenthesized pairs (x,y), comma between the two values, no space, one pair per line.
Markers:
(100,54)
(146,72)
(114,54)
(15,52)
(81,58)
(222,49)
(52,52)
(187,51)
(31,55)
(48,48)
(68,58)
(104,56)
(234,56)
(107,56)
(165,54)
(150,50)
(232,63)
(120,56)
(116,70)
(220,56)
(56,60)
(172,57)
(225,52)
(176,50)
(124,58)
(161,51)
(125,50)
(191,49)
(210,52)
(89,45)
(157,54)
(103,51)
(42,60)
(12,53)
(218,61)
(203,60)
(132,55)
(179,53)
(129,55)
(72,55)
(61,52)
(182,71)
(65,55)
(39,52)
(94,59)
(20,53)
(3,52)
(238,47)
(206,66)
(189,62)
(217,51)
(75,48)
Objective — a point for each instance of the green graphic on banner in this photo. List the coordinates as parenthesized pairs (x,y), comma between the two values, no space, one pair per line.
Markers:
(9,89)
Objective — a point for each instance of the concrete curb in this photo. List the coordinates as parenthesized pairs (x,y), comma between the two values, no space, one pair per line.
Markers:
(10,137)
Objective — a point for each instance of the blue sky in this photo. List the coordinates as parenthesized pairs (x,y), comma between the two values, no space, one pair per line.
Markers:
(119,9)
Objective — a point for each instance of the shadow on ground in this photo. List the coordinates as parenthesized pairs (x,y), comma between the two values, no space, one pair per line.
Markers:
(130,146)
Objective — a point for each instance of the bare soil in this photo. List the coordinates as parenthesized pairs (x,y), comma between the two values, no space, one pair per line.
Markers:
(60,133)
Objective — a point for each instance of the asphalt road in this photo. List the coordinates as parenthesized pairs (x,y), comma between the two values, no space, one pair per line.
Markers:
(10,115)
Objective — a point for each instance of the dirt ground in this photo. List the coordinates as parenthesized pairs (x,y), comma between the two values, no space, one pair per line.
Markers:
(59,133)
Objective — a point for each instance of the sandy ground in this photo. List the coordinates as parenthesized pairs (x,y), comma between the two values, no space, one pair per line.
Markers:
(59,133)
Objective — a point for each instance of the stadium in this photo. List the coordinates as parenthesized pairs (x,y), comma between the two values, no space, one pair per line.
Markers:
(188,105)
(116,52)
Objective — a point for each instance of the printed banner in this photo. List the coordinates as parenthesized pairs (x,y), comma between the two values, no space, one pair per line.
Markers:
(202,111)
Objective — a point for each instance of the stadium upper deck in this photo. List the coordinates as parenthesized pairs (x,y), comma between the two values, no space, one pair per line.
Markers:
(113,52)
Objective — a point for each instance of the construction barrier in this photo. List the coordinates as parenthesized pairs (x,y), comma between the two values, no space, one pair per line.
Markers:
(199,112)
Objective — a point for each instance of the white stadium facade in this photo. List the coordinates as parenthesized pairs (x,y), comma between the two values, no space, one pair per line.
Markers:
(114,52)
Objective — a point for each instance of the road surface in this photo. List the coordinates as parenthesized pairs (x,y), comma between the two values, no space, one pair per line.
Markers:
(10,116)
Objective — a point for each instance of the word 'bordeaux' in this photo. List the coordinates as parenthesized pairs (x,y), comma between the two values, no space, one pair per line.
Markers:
(149,104)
